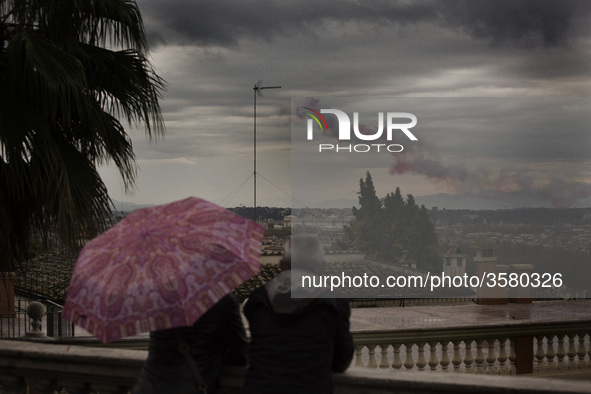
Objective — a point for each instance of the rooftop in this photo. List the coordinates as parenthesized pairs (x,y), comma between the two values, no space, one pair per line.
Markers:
(431,316)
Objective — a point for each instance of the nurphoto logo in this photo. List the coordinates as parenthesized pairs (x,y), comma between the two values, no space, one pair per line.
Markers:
(393,123)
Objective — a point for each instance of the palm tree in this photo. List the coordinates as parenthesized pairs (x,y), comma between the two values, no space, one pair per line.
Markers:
(71,71)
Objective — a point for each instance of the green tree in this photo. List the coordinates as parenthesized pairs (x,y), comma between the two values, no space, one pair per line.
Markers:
(392,228)
(363,233)
(421,239)
(69,71)
(394,217)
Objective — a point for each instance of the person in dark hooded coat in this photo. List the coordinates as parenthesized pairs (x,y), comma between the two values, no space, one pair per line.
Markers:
(296,343)
(189,359)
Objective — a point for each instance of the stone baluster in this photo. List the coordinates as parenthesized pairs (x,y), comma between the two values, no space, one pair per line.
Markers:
(457,358)
(36,311)
(396,361)
(480,355)
(408,360)
(539,355)
(490,356)
(433,362)
(550,353)
(371,361)
(384,363)
(502,356)
(421,362)
(571,352)
(444,356)
(468,359)
(358,355)
(581,352)
(479,360)
(560,352)
(512,357)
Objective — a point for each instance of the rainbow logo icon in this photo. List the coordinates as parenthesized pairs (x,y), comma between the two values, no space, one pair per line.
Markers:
(317,117)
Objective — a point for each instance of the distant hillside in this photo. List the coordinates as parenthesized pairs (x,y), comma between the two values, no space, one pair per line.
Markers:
(531,216)
(441,201)
(499,200)
(128,206)
(449,201)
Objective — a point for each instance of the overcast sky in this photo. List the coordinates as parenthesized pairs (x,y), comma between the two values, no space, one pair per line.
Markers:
(212,52)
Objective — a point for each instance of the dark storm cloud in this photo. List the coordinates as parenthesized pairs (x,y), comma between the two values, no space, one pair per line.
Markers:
(522,21)
(225,22)
(211,53)
(214,22)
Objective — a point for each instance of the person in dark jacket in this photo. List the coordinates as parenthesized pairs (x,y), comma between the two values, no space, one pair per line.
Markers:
(216,338)
(296,343)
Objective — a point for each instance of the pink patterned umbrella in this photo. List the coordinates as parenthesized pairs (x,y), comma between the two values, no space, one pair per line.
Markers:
(161,267)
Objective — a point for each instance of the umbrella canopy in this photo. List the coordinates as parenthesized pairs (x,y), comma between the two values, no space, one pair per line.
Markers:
(161,267)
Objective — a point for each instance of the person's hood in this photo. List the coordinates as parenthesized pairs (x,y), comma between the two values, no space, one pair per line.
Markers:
(286,284)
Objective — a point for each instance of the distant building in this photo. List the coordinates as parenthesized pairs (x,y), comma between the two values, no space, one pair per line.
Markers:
(454,262)
(287,220)
(328,223)
(485,264)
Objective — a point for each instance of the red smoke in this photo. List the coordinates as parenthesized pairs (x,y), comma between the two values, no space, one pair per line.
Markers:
(484,183)
(468,180)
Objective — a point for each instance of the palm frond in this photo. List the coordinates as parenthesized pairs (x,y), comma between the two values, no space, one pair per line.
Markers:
(69,71)
(45,77)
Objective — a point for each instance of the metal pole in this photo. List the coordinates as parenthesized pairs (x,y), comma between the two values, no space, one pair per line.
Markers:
(257,90)
(255,153)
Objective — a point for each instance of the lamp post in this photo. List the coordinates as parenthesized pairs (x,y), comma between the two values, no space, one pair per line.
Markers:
(257,92)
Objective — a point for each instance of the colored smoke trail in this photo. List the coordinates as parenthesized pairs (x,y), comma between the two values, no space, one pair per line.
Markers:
(502,184)
(525,184)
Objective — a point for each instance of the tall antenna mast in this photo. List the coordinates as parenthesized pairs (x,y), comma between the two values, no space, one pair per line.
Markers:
(257,92)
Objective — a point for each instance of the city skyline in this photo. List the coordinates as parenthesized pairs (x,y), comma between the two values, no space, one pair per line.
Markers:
(212,54)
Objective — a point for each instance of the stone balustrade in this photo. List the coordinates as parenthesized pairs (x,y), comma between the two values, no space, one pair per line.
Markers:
(487,349)
(551,344)
(44,367)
